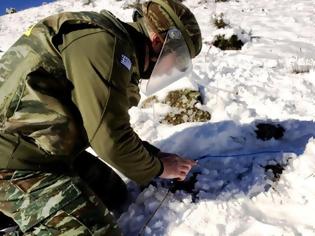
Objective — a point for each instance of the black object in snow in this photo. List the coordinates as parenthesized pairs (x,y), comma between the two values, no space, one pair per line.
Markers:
(267,131)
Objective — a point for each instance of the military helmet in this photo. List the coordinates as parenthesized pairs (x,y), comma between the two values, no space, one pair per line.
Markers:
(165,14)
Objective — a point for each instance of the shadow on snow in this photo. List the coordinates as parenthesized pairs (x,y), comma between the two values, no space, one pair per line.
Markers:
(232,161)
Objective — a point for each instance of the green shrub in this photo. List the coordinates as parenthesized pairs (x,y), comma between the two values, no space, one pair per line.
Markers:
(233,43)
(219,22)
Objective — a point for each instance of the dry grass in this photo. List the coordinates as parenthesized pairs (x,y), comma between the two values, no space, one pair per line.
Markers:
(301,69)
(184,107)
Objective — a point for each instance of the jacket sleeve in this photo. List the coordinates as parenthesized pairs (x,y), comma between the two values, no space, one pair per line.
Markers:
(97,64)
(151,148)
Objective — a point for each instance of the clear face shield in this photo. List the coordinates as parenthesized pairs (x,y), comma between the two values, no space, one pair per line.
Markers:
(173,63)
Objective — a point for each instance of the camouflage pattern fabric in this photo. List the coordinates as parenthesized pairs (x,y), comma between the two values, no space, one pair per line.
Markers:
(161,21)
(49,204)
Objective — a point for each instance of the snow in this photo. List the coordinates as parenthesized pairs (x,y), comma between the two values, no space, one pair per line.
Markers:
(234,194)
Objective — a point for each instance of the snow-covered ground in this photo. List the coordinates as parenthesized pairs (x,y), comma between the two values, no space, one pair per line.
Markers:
(236,192)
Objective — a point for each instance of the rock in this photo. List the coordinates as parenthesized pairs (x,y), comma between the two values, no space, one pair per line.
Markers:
(10,10)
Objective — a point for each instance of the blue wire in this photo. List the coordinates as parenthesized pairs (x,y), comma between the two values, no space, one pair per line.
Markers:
(243,154)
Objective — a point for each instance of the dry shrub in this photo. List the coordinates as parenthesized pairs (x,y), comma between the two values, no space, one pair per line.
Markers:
(184,110)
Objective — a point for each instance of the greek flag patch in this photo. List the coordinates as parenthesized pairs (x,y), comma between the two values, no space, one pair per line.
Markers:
(124,60)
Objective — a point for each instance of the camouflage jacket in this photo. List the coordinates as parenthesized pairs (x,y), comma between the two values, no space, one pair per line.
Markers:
(66,84)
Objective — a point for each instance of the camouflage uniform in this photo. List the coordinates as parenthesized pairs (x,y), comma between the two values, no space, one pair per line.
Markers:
(68,83)
(50,204)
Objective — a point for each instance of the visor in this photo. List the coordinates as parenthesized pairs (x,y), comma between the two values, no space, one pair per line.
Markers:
(174,62)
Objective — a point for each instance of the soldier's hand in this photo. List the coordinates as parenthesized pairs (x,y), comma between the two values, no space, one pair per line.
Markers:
(175,167)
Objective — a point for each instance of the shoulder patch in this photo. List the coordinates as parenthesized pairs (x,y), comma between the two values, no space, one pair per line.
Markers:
(124,60)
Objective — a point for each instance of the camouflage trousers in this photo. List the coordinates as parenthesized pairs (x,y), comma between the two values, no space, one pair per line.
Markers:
(52,204)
